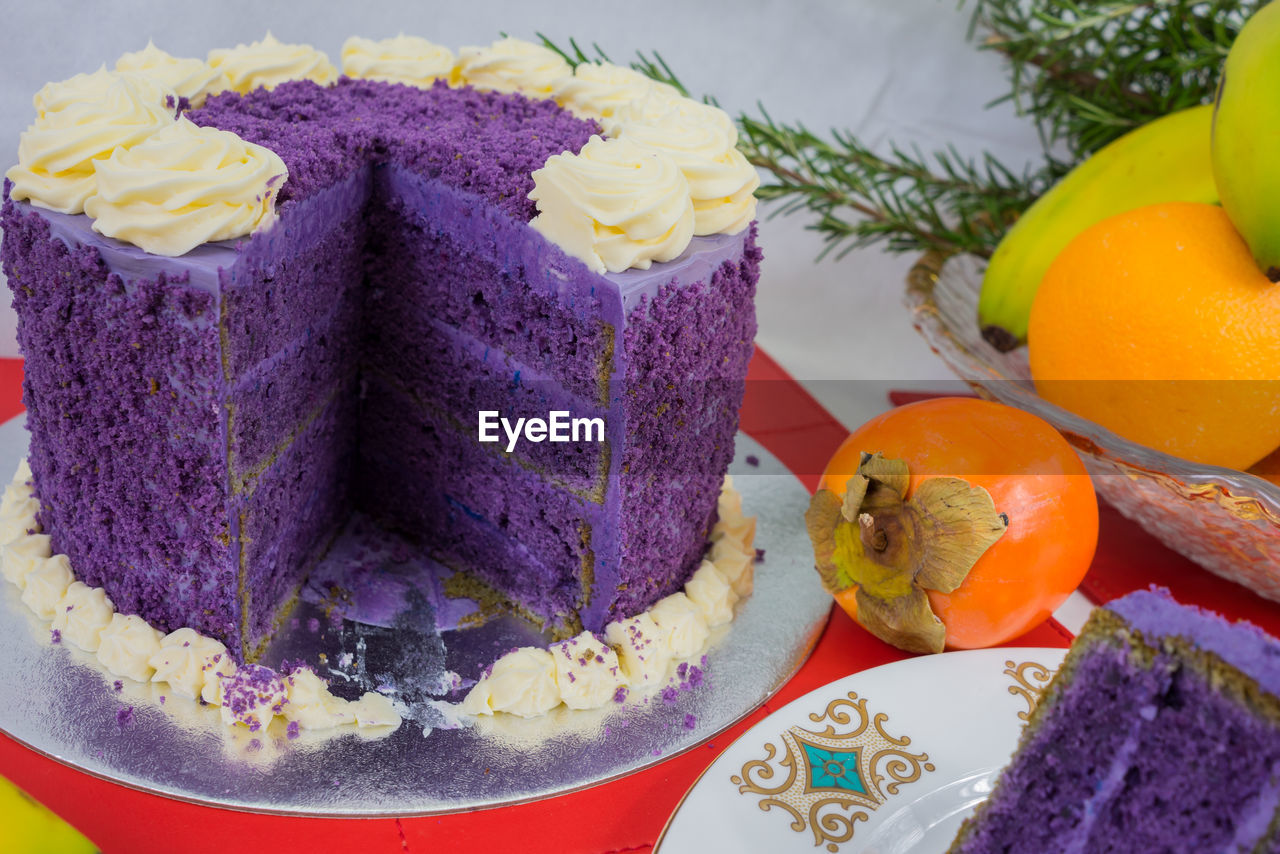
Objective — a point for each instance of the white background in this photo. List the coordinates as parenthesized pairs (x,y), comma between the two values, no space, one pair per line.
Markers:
(886,69)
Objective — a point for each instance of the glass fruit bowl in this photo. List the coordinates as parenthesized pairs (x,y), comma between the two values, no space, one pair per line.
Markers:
(1227,521)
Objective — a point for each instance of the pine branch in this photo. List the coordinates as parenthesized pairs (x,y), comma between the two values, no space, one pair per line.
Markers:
(1087,72)
(856,197)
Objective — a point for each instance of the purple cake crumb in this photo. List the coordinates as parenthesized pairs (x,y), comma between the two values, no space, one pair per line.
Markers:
(124,717)
(292,730)
(251,691)
(753,461)
(690,721)
(117,686)
(162,699)
(620,695)
(55,636)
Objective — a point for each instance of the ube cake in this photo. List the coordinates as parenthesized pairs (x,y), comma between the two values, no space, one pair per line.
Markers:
(203,425)
(1161,732)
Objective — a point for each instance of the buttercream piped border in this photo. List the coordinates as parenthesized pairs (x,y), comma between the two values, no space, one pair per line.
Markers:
(193,665)
(633,656)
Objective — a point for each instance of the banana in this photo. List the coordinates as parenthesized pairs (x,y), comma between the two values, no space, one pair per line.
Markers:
(30,828)
(1166,160)
(1246,137)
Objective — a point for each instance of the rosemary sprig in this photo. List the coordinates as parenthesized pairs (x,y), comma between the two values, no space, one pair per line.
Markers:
(1085,72)
(905,199)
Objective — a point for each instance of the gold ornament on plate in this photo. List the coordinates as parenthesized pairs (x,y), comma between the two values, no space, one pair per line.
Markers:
(1029,681)
(828,780)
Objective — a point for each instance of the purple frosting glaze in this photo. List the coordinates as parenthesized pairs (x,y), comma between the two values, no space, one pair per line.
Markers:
(202,425)
(1242,645)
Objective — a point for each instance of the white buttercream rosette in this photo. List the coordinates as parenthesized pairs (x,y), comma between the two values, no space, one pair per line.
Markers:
(614,205)
(189,78)
(270,62)
(404,59)
(512,65)
(184,186)
(702,140)
(598,90)
(81,121)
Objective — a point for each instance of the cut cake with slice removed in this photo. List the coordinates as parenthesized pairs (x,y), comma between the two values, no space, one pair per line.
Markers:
(201,426)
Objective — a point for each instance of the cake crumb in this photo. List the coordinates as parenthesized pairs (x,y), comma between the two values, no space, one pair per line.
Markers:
(753,461)
(55,636)
(690,721)
(124,717)
(117,686)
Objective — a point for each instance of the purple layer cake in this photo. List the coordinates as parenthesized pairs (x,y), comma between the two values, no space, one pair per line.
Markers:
(201,426)
(1161,732)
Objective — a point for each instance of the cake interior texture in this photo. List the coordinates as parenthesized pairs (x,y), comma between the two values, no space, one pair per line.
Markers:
(201,427)
(1161,732)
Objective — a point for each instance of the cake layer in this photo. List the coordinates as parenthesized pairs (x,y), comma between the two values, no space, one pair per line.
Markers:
(443,256)
(447,371)
(1082,747)
(132,475)
(476,510)
(289,281)
(294,511)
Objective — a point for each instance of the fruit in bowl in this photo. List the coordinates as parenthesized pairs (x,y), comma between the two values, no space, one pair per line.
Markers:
(1225,519)
(1158,322)
(1158,325)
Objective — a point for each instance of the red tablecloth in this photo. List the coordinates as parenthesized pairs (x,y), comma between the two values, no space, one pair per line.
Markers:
(623,816)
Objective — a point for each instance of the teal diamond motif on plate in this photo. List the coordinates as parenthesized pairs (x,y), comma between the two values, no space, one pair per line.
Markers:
(833,769)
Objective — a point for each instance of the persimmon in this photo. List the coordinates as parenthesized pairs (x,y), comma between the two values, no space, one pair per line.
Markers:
(1024,569)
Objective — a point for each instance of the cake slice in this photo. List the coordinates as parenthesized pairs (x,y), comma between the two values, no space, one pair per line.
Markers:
(1161,732)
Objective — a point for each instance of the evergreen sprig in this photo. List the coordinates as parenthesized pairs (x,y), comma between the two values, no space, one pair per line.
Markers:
(1085,72)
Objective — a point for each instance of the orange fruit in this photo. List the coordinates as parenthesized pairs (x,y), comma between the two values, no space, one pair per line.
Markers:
(1032,475)
(1158,325)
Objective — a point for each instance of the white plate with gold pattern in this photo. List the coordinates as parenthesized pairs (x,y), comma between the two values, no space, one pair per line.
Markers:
(889,760)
